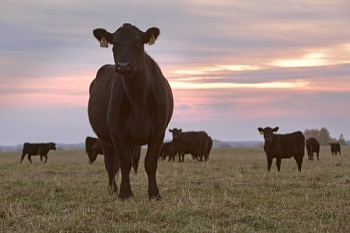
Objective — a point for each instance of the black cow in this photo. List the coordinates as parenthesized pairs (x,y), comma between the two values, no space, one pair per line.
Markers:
(168,150)
(312,146)
(191,142)
(283,146)
(335,148)
(93,148)
(33,149)
(130,105)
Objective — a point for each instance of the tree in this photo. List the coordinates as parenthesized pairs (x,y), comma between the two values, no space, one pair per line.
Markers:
(324,136)
(308,133)
(341,140)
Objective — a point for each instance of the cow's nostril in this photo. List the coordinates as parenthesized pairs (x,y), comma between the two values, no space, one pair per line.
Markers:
(124,64)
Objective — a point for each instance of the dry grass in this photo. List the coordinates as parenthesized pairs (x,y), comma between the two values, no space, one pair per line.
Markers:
(233,192)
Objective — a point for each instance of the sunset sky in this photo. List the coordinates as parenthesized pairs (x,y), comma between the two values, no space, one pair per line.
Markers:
(233,65)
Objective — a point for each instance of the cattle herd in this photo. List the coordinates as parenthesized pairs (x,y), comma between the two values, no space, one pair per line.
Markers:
(285,146)
(131,104)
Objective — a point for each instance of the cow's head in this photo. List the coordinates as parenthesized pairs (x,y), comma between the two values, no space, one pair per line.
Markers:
(93,152)
(92,156)
(52,146)
(176,132)
(268,133)
(128,49)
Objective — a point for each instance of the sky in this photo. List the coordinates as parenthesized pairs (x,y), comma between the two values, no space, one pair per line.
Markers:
(233,65)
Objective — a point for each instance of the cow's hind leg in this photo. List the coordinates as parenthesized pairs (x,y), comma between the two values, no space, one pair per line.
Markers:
(182,157)
(299,162)
(111,165)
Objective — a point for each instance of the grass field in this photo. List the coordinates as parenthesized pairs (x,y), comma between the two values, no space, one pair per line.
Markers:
(232,192)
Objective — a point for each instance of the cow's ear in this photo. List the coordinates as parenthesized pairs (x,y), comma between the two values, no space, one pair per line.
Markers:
(261,131)
(275,129)
(170,130)
(103,36)
(150,36)
(180,130)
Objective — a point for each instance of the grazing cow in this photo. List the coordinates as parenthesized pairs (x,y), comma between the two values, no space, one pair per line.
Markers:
(312,146)
(93,148)
(130,105)
(283,146)
(335,148)
(168,150)
(41,149)
(190,142)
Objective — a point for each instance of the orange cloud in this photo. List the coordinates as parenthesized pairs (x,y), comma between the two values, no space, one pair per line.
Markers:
(338,54)
(222,85)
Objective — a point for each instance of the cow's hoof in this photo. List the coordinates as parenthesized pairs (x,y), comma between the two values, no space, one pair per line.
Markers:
(123,196)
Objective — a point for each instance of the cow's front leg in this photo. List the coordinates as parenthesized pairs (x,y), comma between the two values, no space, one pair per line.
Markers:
(125,166)
(299,161)
(269,163)
(151,169)
(278,163)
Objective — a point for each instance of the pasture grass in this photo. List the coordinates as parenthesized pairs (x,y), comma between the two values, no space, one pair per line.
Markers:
(232,192)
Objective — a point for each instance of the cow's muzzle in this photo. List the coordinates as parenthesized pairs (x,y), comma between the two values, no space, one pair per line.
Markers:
(123,67)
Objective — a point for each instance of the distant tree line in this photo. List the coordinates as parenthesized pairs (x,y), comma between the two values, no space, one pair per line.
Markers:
(323,136)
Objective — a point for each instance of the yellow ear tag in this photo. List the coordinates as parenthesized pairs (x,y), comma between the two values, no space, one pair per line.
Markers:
(103,43)
(262,132)
(152,40)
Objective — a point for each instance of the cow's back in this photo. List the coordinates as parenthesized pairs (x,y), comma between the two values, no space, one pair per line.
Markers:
(31,148)
(292,144)
(192,141)
(312,145)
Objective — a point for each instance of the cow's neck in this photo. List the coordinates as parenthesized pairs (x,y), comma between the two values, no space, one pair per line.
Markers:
(136,88)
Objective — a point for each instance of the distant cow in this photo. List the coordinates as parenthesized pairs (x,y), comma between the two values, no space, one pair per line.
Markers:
(41,149)
(168,150)
(335,148)
(283,146)
(93,148)
(191,142)
(130,105)
(312,146)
